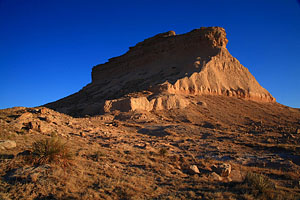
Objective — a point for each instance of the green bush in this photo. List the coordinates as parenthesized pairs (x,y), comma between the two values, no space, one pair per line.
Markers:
(51,150)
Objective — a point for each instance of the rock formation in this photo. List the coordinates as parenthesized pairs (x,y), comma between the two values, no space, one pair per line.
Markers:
(162,72)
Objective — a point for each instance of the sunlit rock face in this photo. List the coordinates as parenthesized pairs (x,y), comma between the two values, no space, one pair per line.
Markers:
(161,72)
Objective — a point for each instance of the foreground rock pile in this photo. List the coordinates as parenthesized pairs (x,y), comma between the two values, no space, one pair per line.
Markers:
(242,149)
(40,120)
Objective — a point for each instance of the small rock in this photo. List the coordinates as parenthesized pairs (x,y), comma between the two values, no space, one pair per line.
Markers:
(269,140)
(223,169)
(193,169)
(44,111)
(298,131)
(33,125)
(227,179)
(141,146)
(50,118)
(215,177)
(7,144)
(36,111)
(82,134)
(22,120)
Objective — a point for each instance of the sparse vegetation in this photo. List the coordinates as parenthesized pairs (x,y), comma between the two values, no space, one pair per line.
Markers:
(51,150)
(163,151)
(259,182)
(7,136)
(258,186)
(121,163)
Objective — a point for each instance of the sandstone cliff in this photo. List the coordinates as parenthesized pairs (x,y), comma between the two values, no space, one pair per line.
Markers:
(162,72)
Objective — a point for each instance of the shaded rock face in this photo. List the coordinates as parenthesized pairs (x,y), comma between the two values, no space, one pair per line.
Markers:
(167,64)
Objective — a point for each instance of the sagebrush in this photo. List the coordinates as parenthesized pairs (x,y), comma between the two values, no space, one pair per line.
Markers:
(51,150)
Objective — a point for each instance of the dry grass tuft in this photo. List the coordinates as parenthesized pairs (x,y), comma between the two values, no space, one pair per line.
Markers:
(259,182)
(258,186)
(51,150)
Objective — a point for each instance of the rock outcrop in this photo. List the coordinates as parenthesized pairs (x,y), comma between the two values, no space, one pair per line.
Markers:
(142,103)
(160,72)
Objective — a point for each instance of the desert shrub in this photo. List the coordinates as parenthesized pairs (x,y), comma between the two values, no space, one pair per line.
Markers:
(259,182)
(260,187)
(51,150)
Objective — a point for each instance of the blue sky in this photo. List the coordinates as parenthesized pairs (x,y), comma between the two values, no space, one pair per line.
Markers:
(48,47)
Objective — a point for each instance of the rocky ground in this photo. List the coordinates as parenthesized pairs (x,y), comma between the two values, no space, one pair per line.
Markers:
(216,148)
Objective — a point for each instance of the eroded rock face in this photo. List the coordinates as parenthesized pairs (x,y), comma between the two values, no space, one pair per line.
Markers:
(164,102)
(222,75)
(167,65)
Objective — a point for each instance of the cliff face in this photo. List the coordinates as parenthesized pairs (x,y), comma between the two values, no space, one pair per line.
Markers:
(161,72)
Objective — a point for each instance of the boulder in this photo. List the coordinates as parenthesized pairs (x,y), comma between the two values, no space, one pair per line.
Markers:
(34,125)
(193,169)
(223,169)
(40,126)
(44,111)
(22,121)
(25,117)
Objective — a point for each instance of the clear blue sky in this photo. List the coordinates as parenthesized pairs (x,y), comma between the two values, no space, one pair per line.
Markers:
(48,47)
